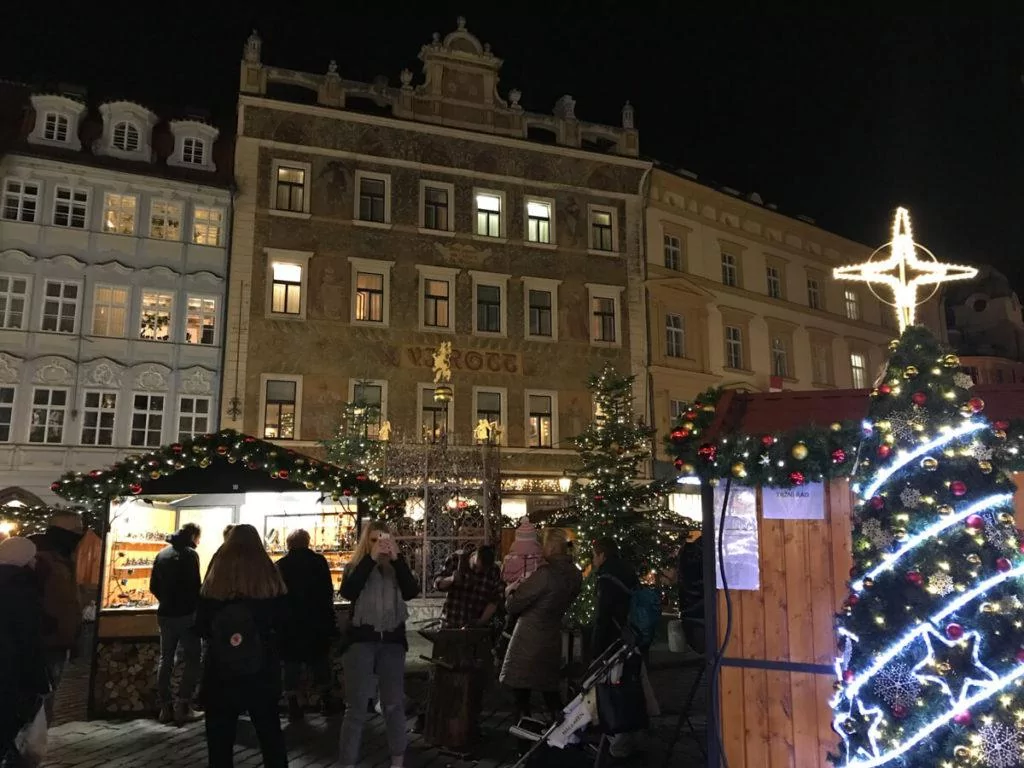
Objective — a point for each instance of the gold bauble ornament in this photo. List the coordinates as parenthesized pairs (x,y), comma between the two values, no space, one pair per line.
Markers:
(739,469)
(951,361)
(929,463)
(985,467)
(309,485)
(944,509)
(869,583)
(835,426)
(966,410)
(899,534)
(688,425)
(998,434)
(688,469)
(800,451)
(972,558)
(910,372)
(1006,518)
(894,345)
(155,475)
(204,462)
(960,752)
(708,408)
(988,608)
(943,667)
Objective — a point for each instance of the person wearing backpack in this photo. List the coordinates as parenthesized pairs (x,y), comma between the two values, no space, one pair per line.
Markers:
(241,614)
(378,582)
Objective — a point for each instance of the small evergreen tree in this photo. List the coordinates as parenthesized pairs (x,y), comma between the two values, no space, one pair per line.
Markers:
(355,444)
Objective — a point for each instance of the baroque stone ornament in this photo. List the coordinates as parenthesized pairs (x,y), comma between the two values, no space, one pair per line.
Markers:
(54,370)
(104,374)
(10,368)
(151,377)
(198,381)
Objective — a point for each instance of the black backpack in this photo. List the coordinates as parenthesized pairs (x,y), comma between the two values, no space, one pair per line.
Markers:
(236,645)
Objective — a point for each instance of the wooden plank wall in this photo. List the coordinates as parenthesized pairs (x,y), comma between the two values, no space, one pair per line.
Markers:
(781,719)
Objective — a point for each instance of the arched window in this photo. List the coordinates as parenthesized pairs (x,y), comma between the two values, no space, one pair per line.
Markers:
(193,151)
(13,496)
(126,136)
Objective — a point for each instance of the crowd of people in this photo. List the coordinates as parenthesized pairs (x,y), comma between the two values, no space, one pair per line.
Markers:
(247,629)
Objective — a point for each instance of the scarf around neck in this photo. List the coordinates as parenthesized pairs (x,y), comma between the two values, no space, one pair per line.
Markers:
(380,604)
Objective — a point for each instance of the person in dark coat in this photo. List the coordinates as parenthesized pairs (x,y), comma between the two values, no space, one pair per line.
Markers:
(242,613)
(23,678)
(62,605)
(307,640)
(615,581)
(175,583)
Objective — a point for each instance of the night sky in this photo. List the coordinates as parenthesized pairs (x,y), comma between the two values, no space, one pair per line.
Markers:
(834,118)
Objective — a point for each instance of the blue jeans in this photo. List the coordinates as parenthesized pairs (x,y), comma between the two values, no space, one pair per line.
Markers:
(362,661)
(178,631)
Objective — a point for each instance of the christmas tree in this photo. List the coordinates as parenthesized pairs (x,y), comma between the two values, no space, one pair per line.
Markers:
(608,502)
(931,637)
(357,441)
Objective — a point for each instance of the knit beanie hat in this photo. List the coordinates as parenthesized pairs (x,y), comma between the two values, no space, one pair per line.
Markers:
(17,551)
(526,542)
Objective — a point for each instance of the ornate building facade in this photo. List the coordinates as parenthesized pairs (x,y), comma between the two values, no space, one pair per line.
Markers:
(986,327)
(113,261)
(375,222)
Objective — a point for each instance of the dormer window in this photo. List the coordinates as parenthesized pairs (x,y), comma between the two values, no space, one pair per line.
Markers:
(126,137)
(193,151)
(55,127)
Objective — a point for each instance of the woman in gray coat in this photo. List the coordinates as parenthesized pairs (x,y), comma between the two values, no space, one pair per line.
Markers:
(534,657)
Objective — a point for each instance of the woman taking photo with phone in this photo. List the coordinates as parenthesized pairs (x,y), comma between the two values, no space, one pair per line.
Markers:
(378,582)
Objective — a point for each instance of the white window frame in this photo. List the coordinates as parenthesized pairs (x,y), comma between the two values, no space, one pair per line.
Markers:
(307,168)
(173,206)
(552,241)
(264,378)
(773,276)
(202,314)
(502,215)
(100,410)
(7,411)
(421,390)
(821,355)
(49,408)
(22,197)
(300,259)
(209,224)
(26,297)
(540,284)
(676,408)
(814,294)
(449,274)
(553,394)
(182,436)
(858,373)
(129,125)
(672,244)
(678,332)
(360,176)
(731,265)
(610,209)
(170,314)
(57,117)
(149,413)
(494,280)
(736,343)
(503,415)
(61,301)
(450,189)
(122,196)
(779,349)
(374,267)
(127,306)
(71,204)
(196,142)
(382,383)
(614,292)
(851,304)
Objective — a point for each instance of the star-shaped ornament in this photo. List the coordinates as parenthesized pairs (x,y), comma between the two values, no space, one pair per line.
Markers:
(953,665)
(860,729)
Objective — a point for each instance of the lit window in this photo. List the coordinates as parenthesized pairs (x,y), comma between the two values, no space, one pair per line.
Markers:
(201,320)
(851,302)
(373,199)
(488,409)
(279,410)
(433,415)
(126,137)
(436,296)
(540,415)
(813,293)
(109,310)
(488,308)
(730,274)
(733,347)
(207,224)
(155,319)
(773,276)
(673,253)
(70,207)
(675,336)
(436,208)
(193,417)
(286,297)
(488,215)
(858,370)
(119,214)
(147,420)
(369,297)
(602,326)
(538,221)
(49,408)
(55,127)
(369,396)
(21,199)
(165,220)
(13,301)
(98,418)
(601,230)
(60,306)
(6,413)
(193,151)
(540,313)
(780,358)
(676,408)
(290,193)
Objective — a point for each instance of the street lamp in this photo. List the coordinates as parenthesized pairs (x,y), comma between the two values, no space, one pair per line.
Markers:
(565,483)
(443,394)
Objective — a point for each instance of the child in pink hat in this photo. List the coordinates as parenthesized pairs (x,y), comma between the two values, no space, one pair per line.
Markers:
(524,555)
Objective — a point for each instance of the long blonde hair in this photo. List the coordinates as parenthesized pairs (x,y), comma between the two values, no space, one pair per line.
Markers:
(364,546)
(555,542)
(242,569)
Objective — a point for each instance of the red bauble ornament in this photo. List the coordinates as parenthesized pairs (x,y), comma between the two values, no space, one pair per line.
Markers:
(852,600)
(361,478)
(915,578)
(1001,424)
(598,497)
(767,440)
(283,474)
(680,434)
(919,398)
(962,718)
(899,711)
(346,492)
(976,404)
(877,502)
(221,450)
(1019,655)
(1002,564)
(252,465)
(977,522)
(96,473)
(797,478)
(176,448)
(885,389)
(678,463)
(54,487)
(690,415)
(884,451)
(250,439)
(848,676)
(954,631)
(708,452)
(958,487)
(838,456)
(135,488)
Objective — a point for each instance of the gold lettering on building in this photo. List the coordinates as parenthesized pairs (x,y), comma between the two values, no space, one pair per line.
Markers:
(469,360)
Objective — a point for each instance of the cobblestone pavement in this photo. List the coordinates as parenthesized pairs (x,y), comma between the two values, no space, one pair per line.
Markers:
(141,743)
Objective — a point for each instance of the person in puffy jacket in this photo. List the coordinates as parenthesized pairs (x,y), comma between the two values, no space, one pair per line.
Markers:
(175,583)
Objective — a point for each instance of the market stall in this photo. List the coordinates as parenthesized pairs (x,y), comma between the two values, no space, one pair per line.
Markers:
(214,481)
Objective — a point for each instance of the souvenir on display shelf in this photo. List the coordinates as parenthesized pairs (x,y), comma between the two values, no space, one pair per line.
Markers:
(332,534)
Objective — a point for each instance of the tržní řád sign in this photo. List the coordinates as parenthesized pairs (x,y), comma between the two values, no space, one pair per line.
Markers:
(804,502)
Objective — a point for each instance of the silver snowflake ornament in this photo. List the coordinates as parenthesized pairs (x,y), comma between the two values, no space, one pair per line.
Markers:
(897,685)
(980,451)
(963,380)
(1000,746)
(879,537)
(901,425)
(941,584)
(910,497)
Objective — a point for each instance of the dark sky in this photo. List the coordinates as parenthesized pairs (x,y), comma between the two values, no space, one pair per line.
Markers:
(835,118)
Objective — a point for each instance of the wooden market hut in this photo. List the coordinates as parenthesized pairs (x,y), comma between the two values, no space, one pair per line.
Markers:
(777,672)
